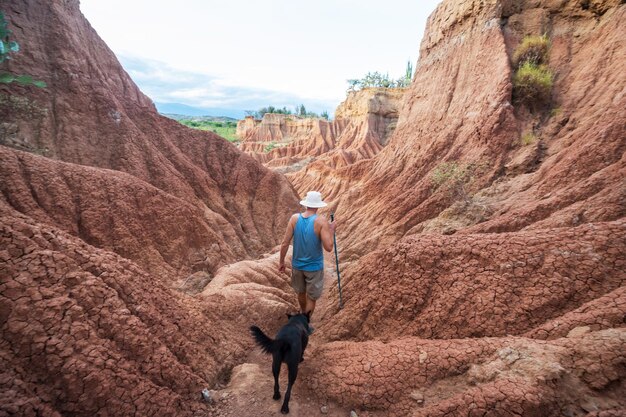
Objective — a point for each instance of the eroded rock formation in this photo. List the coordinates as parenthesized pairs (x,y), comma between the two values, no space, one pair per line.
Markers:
(578,375)
(173,199)
(86,332)
(362,125)
(459,116)
(463,286)
(456,164)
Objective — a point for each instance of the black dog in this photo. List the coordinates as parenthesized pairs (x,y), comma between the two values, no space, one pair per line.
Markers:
(288,347)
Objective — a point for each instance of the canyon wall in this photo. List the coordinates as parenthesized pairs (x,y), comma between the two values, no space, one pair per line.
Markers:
(514,311)
(115,173)
(109,214)
(86,332)
(456,161)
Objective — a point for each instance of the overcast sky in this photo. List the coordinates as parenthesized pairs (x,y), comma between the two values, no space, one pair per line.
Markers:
(248,54)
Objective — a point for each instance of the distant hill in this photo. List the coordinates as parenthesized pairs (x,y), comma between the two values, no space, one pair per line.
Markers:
(185,110)
(181,117)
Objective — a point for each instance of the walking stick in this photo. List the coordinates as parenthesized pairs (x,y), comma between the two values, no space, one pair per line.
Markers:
(332,218)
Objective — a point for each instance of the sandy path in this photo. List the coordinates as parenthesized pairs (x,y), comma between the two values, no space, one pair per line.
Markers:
(249,391)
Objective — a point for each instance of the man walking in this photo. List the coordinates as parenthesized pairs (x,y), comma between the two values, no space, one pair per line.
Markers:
(310,234)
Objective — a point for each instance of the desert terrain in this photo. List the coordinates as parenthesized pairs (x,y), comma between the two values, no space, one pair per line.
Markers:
(482,235)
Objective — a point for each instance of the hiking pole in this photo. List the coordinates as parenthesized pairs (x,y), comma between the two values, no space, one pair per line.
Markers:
(332,218)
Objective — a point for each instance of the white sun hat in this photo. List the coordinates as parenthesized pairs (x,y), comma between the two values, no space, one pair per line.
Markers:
(314,200)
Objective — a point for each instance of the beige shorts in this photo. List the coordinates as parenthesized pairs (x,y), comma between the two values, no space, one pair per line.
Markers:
(311,282)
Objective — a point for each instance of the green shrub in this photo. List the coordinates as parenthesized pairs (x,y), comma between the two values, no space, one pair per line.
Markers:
(556,112)
(270,146)
(377,79)
(532,84)
(454,178)
(445,172)
(528,138)
(533,49)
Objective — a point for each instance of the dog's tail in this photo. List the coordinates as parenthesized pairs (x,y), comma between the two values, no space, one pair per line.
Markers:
(267,345)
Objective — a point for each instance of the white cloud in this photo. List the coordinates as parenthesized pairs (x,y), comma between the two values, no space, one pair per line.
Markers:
(291,52)
(166,84)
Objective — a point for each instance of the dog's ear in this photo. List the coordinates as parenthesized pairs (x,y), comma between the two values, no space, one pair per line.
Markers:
(289,315)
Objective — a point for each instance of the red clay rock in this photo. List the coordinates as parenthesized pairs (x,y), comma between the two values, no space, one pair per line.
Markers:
(548,278)
(87,332)
(116,211)
(178,200)
(85,329)
(485,376)
(520,311)
(600,313)
(459,110)
(444,287)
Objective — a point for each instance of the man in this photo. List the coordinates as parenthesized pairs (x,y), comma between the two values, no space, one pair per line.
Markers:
(310,234)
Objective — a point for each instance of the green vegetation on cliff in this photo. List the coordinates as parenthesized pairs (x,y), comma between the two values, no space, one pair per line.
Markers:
(223,126)
(376,79)
(532,49)
(533,84)
(300,111)
(533,79)
(7,48)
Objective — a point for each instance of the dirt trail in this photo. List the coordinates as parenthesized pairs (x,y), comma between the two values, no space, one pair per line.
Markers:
(249,391)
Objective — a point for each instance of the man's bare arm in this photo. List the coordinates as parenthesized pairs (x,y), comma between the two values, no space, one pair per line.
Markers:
(284,247)
(328,229)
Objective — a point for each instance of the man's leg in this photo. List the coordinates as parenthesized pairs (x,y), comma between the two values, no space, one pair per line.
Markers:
(314,284)
(302,300)
(310,305)
(298,283)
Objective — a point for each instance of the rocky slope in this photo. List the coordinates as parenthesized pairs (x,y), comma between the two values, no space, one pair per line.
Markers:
(578,375)
(485,285)
(362,125)
(87,332)
(180,201)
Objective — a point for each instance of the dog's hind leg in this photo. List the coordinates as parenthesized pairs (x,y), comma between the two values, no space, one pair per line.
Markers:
(293,373)
(276,371)
(305,341)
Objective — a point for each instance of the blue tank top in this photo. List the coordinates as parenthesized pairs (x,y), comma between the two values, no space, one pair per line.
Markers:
(307,247)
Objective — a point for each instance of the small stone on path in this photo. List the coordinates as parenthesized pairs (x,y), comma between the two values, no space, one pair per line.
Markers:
(208,395)
(417,396)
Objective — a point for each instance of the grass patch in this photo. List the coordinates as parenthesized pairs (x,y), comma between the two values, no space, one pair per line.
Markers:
(13,104)
(269,147)
(532,84)
(528,138)
(533,49)
(454,178)
(533,79)
(224,129)
(556,111)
